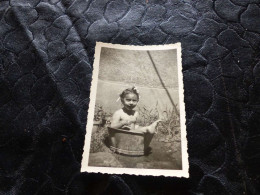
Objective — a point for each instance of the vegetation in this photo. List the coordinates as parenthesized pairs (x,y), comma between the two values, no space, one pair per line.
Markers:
(167,130)
(99,131)
(98,139)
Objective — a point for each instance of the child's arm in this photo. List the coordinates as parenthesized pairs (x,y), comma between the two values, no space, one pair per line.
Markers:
(136,116)
(116,122)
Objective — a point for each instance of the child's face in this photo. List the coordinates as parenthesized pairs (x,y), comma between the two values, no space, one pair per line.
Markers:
(130,101)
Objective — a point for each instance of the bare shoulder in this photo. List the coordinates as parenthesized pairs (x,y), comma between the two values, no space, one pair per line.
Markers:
(117,113)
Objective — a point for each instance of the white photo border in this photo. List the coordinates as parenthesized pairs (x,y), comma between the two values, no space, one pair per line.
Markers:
(136,171)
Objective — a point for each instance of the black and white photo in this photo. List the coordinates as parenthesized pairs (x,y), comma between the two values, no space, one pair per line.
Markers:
(136,115)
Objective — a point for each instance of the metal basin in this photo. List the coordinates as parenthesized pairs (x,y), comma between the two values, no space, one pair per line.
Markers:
(129,142)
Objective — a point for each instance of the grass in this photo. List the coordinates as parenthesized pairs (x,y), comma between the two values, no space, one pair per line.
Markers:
(168,129)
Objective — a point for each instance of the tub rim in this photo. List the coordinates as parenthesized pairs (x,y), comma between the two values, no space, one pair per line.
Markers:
(126,131)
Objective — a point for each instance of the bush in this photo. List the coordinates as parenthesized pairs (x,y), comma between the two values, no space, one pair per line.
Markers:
(147,116)
(97,140)
(99,132)
(168,128)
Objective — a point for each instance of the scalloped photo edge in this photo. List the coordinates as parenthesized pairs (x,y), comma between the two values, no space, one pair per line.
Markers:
(85,167)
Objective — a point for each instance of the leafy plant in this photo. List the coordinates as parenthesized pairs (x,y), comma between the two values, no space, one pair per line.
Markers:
(170,125)
(148,116)
(99,132)
(97,140)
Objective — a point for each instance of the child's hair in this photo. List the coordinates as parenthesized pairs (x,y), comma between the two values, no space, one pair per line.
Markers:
(128,91)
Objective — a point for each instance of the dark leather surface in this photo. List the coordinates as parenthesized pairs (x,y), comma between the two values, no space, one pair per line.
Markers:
(46,56)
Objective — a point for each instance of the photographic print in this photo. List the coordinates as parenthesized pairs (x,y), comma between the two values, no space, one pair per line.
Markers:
(136,116)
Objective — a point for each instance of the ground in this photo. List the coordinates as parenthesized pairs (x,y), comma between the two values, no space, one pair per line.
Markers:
(164,155)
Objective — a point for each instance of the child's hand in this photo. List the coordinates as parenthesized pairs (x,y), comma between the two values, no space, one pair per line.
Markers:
(129,120)
(132,119)
(126,122)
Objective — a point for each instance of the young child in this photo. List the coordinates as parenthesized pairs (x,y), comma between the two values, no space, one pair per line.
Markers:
(126,117)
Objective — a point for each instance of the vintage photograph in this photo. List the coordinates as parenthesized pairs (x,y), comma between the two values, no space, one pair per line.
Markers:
(136,116)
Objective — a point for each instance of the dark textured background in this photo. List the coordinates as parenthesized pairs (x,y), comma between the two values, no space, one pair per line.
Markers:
(46,56)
